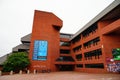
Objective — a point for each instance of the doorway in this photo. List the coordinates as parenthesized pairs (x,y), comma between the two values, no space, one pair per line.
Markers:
(65,67)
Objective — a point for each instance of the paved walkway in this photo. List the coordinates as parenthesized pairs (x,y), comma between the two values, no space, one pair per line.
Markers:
(61,76)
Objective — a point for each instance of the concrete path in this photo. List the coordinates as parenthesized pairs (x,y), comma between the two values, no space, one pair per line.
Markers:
(61,76)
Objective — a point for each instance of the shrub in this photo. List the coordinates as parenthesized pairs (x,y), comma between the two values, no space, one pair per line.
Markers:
(16,61)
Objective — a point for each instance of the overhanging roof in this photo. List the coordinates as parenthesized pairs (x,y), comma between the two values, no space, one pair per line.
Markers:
(3,58)
(26,38)
(21,46)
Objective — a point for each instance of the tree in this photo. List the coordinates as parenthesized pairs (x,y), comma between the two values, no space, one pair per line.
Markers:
(16,61)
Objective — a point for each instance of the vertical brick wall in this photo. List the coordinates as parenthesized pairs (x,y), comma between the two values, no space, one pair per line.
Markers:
(46,26)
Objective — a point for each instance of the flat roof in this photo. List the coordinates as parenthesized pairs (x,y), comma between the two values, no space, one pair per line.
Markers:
(98,17)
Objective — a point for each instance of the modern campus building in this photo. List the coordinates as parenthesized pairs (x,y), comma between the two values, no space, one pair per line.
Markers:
(89,50)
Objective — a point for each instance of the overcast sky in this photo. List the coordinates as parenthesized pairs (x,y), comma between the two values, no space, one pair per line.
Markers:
(16,17)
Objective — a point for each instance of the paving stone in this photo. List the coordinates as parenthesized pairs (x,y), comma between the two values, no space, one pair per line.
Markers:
(61,76)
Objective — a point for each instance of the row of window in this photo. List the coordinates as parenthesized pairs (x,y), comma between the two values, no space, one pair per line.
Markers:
(92,29)
(91,42)
(98,65)
(87,44)
(89,55)
(95,53)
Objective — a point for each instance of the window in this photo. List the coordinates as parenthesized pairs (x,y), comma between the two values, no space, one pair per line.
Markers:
(79,57)
(91,42)
(78,48)
(95,53)
(65,58)
(98,65)
(64,44)
(79,65)
(76,39)
(64,51)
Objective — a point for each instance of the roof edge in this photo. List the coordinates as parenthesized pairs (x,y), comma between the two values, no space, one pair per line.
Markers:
(98,17)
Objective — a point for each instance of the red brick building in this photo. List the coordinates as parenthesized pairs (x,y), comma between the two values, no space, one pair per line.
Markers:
(92,46)
(88,50)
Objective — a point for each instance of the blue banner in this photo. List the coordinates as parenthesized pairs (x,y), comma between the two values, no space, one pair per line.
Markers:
(40,50)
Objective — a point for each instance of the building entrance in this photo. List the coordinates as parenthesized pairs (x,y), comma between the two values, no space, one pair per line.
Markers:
(65,67)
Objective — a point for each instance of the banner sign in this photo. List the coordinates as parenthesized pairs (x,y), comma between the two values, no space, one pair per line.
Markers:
(116,53)
(40,50)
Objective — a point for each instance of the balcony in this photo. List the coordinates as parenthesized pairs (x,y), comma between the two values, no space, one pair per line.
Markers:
(64,39)
(64,47)
(65,60)
(64,63)
(63,54)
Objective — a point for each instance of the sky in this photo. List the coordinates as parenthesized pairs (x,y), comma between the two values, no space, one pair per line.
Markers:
(16,17)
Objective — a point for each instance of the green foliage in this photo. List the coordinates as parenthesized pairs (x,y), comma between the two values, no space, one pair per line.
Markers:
(16,61)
